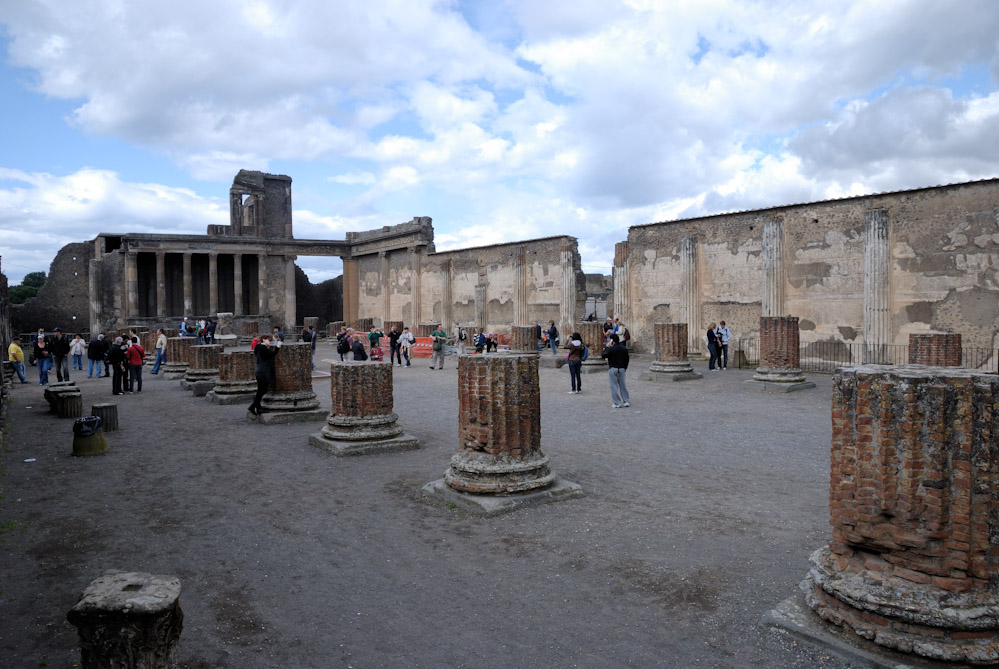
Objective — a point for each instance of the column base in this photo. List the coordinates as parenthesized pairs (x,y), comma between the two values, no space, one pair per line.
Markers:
(286,417)
(216,397)
(340,447)
(481,473)
(663,372)
(200,388)
(779,375)
(492,505)
(592,366)
(175,370)
(300,401)
(770,386)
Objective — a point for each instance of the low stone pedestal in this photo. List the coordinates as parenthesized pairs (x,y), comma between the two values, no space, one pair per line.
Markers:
(291,399)
(59,395)
(237,382)
(912,502)
(361,421)
(177,356)
(671,363)
(108,413)
(129,619)
(500,465)
(69,405)
(780,362)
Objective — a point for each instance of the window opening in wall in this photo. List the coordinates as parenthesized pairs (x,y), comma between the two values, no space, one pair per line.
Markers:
(112,244)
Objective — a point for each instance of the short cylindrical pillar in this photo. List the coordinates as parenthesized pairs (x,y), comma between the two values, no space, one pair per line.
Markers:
(129,619)
(69,405)
(915,515)
(204,364)
(108,413)
(779,352)
(937,350)
(237,379)
(177,356)
(292,389)
(361,420)
(148,341)
(333,328)
(592,333)
(671,349)
(523,339)
(499,426)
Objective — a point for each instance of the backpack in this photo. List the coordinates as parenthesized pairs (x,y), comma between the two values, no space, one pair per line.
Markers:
(586,353)
(461,334)
(627,335)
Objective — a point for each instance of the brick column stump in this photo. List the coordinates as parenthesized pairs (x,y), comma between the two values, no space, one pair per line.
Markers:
(203,371)
(148,342)
(671,363)
(522,339)
(592,333)
(914,506)
(937,350)
(291,398)
(780,362)
(361,421)
(129,619)
(500,465)
(237,380)
(333,329)
(177,356)
(424,329)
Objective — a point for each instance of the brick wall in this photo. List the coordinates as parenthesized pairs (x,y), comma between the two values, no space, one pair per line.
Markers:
(779,342)
(939,350)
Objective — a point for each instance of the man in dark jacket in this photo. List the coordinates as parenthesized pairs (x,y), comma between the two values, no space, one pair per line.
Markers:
(265,352)
(95,354)
(116,363)
(617,362)
(60,355)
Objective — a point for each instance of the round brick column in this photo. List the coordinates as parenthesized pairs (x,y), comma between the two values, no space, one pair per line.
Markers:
(592,333)
(387,325)
(915,512)
(292,389)
(522,339)
(177,356)
(939,350)
(148,342)
(499,426)
(333,328)
(779,350)
(671,349)
(361,420)
(424,329)
(237,373)
(204,363)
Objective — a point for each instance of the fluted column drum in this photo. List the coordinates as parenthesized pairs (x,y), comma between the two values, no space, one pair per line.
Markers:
(292,389)
(523,339)
(204,363)
(177,356)
(780,360)
(671,349)
(237,373)
(592,333)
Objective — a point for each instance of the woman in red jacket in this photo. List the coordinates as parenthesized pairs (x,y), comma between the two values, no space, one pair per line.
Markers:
(133,358)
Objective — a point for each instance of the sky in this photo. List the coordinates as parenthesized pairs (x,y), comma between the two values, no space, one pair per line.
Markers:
(502,119)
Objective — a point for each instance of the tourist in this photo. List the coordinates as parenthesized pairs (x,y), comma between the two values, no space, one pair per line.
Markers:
(459,338)
(59,348)
(16,357)
(116,363)
(343,342)
(575,359)
(723,336)
(134,355)
(309,337)
(210,331)
(406,340)
(43,359)
(395,354)
(481,342)
(357,348)
(440,338)
(592,317)
(265,352)
(95,354)
(608,325)
(617,363)
(712,341)
(161,350)
(492,342)
(623,334)
(537,333)
(182,327)
(76,348)
(278,334)
(200,329)
(553,337)
(375,338)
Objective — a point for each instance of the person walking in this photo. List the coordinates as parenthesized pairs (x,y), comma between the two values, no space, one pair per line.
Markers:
(406,341)
(116,363)
(460,336)
(553,337)
(16,357)
(617,363)
(59,348)
(95,354)
(440,338)
(265,352)
(575,360)
(134,356)
(76,348)
(724,336)
(712,340)
(395,354)
(43,360)
(161,350)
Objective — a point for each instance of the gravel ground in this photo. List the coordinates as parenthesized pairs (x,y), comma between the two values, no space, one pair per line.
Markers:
(702,503)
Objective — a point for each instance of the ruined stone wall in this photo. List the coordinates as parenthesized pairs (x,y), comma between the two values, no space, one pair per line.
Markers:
(66,294)
(943,248)
(324,299)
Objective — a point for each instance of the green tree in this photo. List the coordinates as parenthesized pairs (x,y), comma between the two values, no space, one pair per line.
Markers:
(29,287)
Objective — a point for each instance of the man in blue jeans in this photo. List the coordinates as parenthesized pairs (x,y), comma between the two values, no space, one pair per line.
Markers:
(617,362)
(724,337)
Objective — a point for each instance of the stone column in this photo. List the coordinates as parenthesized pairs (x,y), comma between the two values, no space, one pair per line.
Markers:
(203,369)
(622,284)
(416,283)
(95,304)
(213,283)
(383,275)
(361,421)
(521,273)
(446,293)
(671,362)
(177,356)
(188,294)
(131,285)
(351,288)
(237,381)
(877,286)
(481,313)
(499,431)
(913,505)
(780,362)
(333,329)
(237,284)
(567,305)
(773,267)
(940,349)
(161,305)
(690,292)
(522,339)
(290,293)
(592,333)
(129,619)
(262,284)
(291,398)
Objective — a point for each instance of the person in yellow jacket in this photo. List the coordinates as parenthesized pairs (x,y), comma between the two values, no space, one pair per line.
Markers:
(16,356)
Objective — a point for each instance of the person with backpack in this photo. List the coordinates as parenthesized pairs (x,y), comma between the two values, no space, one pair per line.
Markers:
(134,356)
(406,341)
(577,354)
(343,342)
(553,337)
(395,354)
(460,337)
(440,338)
